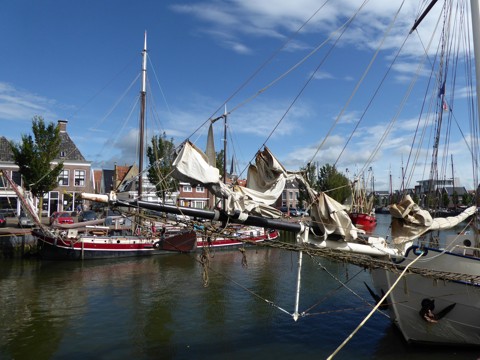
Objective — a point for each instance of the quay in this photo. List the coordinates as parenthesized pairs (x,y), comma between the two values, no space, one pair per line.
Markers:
(16,242)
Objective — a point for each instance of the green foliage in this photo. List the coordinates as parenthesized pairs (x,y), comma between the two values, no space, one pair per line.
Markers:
(334,183)
(327,179)
(161,156)
(415,198)
(445,199)
(310,174)
(34,156)
(455,199)
(467,199)
(219,162)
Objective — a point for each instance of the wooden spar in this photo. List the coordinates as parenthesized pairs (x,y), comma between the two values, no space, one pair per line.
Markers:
(419,20)
(218,215)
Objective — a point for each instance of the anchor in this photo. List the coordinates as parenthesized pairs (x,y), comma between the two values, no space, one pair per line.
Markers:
(377,298)
(427,314)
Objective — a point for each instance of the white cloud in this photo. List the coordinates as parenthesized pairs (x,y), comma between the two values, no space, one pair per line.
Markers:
(18,104)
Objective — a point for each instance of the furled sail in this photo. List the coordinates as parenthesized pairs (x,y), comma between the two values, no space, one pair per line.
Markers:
(409,221)
(266,181)
(331,217)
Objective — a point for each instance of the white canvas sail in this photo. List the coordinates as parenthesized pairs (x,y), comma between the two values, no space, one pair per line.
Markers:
(409,221)
(266,182)
(192,166)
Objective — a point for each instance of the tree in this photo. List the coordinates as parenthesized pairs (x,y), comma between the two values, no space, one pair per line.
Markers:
(310,174)
(467,199)
(334,183)
(326,179)
(455,199)
(416,198)
(161,156)
(34,158)
(219,162)
(445,199)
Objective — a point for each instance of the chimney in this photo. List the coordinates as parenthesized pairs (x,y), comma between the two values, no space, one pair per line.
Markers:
(62,124)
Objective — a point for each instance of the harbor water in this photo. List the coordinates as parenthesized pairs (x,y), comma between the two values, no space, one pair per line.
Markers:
(238,305)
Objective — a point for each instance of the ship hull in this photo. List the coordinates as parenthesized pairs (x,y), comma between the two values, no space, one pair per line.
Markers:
(455,316)
(87,247)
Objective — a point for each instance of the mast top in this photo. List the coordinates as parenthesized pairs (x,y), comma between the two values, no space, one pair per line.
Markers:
(144,65)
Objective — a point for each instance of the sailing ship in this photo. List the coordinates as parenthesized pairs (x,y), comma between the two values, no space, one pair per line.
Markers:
(93,240)
(431,291)
(362,212)
(429,287)
(90,240)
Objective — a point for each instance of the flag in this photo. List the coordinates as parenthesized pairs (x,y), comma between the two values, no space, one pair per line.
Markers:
(445,106)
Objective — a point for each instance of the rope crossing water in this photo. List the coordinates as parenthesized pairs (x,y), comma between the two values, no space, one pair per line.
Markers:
(375,308)
(369,262)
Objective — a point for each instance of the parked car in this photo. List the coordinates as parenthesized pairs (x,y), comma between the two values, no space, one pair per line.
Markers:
(111,216)
(25,221)
(178,217)
(87,215)
(3,220)
(61,218)
(293,212)
(302,212)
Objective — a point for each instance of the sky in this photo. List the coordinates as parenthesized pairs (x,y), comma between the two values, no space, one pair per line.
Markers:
(269,64)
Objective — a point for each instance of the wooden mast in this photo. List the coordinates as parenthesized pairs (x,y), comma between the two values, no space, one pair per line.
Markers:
(143,94)
(224,203)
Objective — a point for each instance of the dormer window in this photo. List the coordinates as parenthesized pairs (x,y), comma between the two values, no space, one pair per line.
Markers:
(62,154)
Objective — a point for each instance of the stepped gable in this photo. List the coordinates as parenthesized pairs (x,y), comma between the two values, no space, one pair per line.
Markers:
(5,151)
(68,149)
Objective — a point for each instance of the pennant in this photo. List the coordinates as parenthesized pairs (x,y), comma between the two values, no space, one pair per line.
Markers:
(445,106)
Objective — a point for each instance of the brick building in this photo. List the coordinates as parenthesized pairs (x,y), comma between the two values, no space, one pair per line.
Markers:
(75,178)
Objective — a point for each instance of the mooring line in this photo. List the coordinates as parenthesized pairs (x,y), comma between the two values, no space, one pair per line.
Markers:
(374,309)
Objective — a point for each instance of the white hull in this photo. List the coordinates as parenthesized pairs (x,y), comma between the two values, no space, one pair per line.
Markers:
(460,326)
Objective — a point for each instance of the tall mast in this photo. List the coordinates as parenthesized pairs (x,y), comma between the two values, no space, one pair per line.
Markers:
(474,8)
(476,44)
(224,202)
(225,146)
(143,96)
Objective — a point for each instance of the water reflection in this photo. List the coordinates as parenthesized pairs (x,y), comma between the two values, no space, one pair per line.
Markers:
(159,308)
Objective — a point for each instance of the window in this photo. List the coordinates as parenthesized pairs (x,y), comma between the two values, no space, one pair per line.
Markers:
(187,188)
(199,204)
(63,178)
(200,189)
(79,177)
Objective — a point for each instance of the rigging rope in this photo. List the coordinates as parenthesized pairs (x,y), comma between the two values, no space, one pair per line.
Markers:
(367,261)
(263,65)
(357,86)
(375,308)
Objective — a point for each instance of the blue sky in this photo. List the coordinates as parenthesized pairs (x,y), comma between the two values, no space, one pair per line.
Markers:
(77,60)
